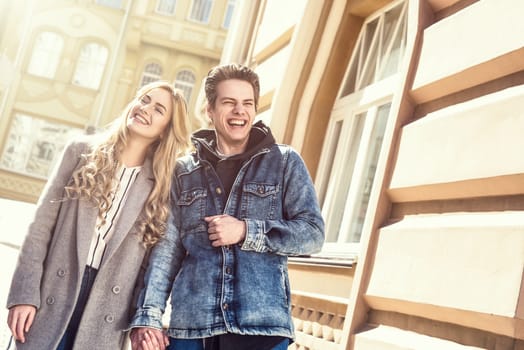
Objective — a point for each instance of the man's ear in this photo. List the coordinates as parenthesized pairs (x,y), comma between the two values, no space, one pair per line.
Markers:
(209,112)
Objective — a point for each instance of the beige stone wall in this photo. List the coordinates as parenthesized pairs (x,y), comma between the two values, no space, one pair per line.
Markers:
(442,260)
(448,273)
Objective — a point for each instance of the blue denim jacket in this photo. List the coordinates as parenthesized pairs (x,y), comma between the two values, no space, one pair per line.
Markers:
(242,288)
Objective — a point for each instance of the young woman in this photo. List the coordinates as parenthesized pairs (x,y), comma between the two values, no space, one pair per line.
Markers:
(103,208)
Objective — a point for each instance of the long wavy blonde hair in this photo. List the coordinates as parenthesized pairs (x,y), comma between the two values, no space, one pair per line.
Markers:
(94,180)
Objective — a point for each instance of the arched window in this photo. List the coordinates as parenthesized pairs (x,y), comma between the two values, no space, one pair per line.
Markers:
(90,65)
(46,55)
(152,72)
(201,10)
(185,81)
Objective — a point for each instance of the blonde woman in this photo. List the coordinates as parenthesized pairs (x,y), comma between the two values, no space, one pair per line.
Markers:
(101,211)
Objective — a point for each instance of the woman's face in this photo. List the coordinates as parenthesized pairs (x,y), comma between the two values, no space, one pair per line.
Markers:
(150,114)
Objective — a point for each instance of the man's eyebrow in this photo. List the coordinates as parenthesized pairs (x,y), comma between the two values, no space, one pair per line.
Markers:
(234,99)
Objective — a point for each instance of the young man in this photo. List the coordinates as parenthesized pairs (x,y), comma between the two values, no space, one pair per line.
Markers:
(241,204)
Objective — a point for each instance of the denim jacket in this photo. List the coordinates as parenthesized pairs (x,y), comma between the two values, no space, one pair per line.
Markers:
(242,288)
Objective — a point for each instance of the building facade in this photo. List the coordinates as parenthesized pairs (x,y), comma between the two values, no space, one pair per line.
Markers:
(409,115)
(70,66)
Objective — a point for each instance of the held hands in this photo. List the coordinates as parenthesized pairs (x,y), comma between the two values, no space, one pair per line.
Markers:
(20,319)
(144,338)
(225,230)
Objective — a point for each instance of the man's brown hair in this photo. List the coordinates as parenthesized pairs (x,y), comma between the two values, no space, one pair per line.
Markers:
(227,72)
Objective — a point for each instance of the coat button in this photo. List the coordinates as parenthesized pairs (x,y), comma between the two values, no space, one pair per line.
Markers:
(116,289)
(50,300)
(218,190)
(109,318)
(60,273)
(225,306)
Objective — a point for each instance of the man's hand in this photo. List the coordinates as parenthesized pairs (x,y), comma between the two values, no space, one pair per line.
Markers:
(144,338)
(225,230)
(20,319)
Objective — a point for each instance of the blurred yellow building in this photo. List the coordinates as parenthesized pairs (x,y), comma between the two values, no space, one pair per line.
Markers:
(70,66)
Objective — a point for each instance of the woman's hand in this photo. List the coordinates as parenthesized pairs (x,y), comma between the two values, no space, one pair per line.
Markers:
(144,338)
(20,319)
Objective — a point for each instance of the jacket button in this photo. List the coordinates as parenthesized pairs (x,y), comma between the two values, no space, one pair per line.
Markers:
(228,270)
(116,289)
(260,189)
(225,306)
(61,273)
(218,190)
(109,318)
(50,300)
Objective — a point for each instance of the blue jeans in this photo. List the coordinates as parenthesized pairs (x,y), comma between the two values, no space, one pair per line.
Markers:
(198,344)
(185,344)
(68,339)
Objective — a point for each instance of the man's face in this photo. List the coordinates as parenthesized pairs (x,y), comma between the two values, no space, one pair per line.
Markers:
(233,115)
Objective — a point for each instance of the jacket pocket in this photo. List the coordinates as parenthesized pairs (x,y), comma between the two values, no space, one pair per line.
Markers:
(192,205)
(259,200)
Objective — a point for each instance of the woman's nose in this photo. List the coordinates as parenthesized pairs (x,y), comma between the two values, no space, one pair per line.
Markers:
(146,109)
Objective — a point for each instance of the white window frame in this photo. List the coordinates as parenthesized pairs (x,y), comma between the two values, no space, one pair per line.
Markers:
(208,8)
(90,69)
(46,54)
(345,158)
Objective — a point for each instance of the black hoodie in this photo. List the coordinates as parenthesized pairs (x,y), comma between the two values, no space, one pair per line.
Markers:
(227,168)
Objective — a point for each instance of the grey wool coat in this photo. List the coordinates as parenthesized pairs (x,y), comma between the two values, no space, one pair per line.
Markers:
(53,257)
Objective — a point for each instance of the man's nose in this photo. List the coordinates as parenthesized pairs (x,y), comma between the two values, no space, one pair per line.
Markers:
(239,108)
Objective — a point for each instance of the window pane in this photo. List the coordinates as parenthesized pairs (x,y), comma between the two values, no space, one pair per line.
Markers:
(166,6)
(369,56)
(229,14)
(370,167)
(46,55)
(90,66)
(395,31)
(343,165)
(33,145)
(201,10)
(185,81)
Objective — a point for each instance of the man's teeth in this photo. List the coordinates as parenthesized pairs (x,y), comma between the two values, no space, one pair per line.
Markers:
(237,122)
